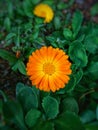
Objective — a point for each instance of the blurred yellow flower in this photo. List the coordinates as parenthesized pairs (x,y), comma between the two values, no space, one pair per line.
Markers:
(49,68)
(44,11)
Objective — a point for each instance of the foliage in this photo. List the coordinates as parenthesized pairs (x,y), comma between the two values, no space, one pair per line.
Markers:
(71,108)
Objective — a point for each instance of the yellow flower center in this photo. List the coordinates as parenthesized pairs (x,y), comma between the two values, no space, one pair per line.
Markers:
(48,68)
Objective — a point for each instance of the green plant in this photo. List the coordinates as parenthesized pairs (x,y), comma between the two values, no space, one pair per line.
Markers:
(33,109)
(76,105)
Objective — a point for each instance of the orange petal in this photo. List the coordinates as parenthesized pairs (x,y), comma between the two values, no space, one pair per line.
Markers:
(52,85)
(44,84)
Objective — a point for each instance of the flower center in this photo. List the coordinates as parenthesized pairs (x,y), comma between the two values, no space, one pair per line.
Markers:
(48,68)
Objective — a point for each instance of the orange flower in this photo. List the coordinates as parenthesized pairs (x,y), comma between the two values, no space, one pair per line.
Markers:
(49,68)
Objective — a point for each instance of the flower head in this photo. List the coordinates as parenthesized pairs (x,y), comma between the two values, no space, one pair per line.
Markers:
(49,68)
(44,11)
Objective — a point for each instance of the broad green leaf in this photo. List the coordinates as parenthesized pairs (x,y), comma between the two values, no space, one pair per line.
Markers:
(97,112)
(32,116)
(19,87)
(13,112)
(68,121)
(6,128)
(61,91)
(43,125)
(28,8)
(76,22)
(91,43)
(78,54)
(67,33)
(93,69)
(70,104)
(94,9)
(91,127)
(8,56)
(27,97)
(21,67)
(71,84)
(50,106)
(87,116)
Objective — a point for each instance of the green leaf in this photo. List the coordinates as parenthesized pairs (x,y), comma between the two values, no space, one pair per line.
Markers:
(1,105)
(94,9)
(43,125)
(21,67)
(35,1)
(80,38)
(35,33)
(27,97)
(9,36)
(57,22)
(50,106)
(10,9)
(19,87)
(29,51)
(70,104)
(93,69)
(68,121)
(8,56)
(67,33)
(77,54)
(91,127)
(87,116)
(6,128)
(28,8)
(91,43)
(95,95)
(71,84)
(7,24)
(76,22)
(97,112)
(13,112)
(49,2)
(32,116)
(62,5)
(3,95)
(78,76)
